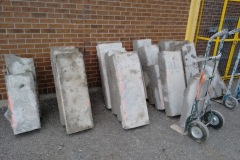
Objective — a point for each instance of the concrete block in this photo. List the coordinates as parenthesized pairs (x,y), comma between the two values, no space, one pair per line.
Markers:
(18,65)
(189,60)
(73,89)
(133,107)
(113,88)
(188,54)
(171,45)
(217,88)
(142,42)
(173,81)
(148,55)
(22,103)
(189,97)
(149,60)
(54,52)
(156,84)
(102,49)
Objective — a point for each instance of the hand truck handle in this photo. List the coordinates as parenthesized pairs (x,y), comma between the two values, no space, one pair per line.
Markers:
(223,39)
(209,44)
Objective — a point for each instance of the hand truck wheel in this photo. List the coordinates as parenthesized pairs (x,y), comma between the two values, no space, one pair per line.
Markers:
(230,102)
(215,119)
(198,131)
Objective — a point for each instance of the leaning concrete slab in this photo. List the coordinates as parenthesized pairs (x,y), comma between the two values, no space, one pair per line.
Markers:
(22,103)
(173,81)
(113,88)
(149,60)
(74,91)
(141,42)
(54,52)
(148,55)
(133,108)
(189,60)
(156,84)
(218,87)
(102,49)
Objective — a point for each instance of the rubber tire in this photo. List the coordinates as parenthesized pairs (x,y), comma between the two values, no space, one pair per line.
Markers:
(235,101)
(220,117)
(202,127)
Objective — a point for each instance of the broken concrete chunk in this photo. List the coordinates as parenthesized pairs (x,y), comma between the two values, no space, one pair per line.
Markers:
(102,49)
(22,103)
(173,81)
(133,108)
(18,65)
(189,60)
(142,42)
(73,91)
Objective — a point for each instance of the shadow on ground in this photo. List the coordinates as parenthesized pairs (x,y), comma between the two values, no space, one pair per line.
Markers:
(109,141)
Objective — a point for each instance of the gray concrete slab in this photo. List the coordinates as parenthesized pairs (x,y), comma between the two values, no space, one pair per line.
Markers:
(128,76)
(18,65)
(141,42)
(74,91)
(23,107)
(53,54)
(108,141)
(103,49)
(173,81)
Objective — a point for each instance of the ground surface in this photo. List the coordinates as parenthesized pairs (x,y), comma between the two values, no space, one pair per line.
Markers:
(108,141)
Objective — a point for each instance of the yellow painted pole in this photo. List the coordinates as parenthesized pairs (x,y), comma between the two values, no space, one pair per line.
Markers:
(220,26)
(192,20)
(232,50)
(199,21)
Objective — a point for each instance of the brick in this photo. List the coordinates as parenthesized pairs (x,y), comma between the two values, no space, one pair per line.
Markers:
(39,15)
(15,31)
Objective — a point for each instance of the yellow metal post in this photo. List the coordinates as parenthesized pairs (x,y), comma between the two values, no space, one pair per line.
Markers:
(235,40)
(199,22)
(192,20)
(220,26)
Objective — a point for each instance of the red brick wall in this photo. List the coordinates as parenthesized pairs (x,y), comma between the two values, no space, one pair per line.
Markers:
(28,28)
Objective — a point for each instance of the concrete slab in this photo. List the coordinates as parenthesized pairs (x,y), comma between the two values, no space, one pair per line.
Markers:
(189,60)
(148,55)
(133,108)
(22,103)
(173,81)
(171,45)
(102,49)
(112,80)
(53,54)
(217,88)
(74,91)
(149,60)
(18,65)
(190,95)
(141,42)
(156,84)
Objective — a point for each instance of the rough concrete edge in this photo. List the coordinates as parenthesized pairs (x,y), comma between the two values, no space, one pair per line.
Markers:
(3,103)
